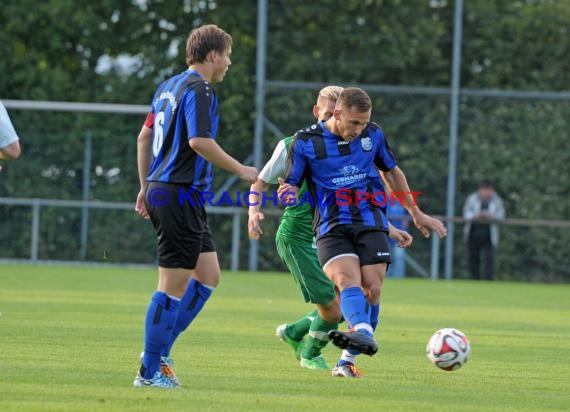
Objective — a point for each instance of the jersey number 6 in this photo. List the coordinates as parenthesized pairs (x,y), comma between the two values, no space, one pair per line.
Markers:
(158,133)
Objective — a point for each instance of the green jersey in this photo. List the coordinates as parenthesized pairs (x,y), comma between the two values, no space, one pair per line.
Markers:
(297,221)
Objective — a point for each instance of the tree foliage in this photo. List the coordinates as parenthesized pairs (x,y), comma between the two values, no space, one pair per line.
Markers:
(118,51)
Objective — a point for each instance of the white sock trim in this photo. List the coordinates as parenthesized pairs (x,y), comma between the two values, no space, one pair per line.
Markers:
(348,357)
(365,326)
(208,286)
(317,334)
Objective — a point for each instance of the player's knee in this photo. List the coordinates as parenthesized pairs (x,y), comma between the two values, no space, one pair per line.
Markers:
(211,278)
(372,293)
(344,280)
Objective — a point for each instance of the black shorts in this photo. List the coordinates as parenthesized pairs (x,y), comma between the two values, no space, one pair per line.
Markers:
(181,225)
(368,243)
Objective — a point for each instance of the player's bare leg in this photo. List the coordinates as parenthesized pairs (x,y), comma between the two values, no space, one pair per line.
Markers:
(345,272)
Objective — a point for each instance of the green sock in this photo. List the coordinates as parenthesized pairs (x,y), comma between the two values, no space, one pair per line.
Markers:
(297,330)
(318,337)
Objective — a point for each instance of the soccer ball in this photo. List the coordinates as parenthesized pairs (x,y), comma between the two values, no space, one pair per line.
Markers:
(448,349)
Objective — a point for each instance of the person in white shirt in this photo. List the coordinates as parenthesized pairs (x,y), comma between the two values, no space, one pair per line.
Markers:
(9,141)
(482,210)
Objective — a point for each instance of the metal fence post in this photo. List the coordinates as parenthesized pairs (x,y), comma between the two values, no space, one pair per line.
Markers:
(434,269)
(259,108)
(236,234)
(453,126)
(34,245)
(87,155)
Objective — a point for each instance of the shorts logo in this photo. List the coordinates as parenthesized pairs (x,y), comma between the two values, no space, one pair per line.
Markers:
(366,143)
(382,254)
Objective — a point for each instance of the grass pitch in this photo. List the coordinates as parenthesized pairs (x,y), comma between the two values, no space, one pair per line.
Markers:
(70,338)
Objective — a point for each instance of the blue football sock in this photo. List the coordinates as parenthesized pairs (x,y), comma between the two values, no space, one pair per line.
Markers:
(356,310)
(343,362)
(160,319)
(191,304)
(350,353)
(354,306)
(374,315)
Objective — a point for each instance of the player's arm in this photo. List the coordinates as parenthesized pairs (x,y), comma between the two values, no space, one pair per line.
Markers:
(395,178)
(272,170)
(255,216)
(197,107)
(401,237)
(213,153)
(144,157)
(398,184)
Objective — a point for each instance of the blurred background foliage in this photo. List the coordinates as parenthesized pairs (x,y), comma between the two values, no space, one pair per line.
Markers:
(118,51)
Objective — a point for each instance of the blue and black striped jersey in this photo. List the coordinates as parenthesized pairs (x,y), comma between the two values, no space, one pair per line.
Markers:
(184,106)
(337,172)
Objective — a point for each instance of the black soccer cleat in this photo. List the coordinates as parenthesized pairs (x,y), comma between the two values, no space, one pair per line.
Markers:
(354,340)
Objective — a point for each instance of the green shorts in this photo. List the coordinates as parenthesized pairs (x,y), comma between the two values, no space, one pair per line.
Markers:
(301,259)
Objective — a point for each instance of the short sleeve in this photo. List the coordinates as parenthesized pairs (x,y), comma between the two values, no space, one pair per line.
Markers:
(384,159)
(149,121)
(200,109)
(296,163)
(275,167)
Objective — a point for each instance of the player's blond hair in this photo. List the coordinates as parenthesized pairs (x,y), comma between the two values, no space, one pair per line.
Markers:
(331,92)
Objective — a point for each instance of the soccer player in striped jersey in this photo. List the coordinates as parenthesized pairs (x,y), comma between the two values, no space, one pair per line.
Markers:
(297,249)
(176,150)
(339,159)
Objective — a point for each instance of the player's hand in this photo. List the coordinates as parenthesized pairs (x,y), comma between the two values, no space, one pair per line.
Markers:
(287,193)
(426,224)
(254,225)
(249,174)
(140,207)
(401,237)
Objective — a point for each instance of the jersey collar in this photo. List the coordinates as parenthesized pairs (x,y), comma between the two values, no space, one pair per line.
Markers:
(327,132)
(193,73)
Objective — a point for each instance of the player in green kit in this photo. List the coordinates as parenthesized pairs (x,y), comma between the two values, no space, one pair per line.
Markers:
(297,249)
